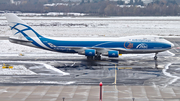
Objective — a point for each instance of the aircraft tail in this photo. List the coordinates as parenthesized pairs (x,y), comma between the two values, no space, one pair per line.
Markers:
(24,34)
(20,29)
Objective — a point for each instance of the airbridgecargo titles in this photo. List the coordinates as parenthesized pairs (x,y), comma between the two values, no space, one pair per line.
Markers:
(92,48)
(141,40)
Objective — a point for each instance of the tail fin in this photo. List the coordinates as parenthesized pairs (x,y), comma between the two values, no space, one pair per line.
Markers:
(19,28)
(21,31)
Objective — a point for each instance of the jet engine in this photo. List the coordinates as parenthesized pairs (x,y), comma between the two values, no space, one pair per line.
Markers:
(90,52)
(112,54)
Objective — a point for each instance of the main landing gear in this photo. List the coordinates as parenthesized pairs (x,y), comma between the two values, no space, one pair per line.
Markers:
(97,57)
(155,57)
(90,57)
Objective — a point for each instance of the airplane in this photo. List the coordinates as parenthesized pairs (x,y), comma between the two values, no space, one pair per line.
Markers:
(92,48)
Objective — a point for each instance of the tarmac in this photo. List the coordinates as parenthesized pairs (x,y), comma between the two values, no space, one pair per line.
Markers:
(89,93)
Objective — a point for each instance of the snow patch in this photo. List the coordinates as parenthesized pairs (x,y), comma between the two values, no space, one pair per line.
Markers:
(20,69)
(16,70)
(55,69)
(174,78)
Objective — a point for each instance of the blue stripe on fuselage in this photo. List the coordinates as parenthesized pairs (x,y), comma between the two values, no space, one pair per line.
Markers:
(108,44)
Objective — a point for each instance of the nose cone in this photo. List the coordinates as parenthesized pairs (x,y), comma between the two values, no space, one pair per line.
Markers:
(172,45)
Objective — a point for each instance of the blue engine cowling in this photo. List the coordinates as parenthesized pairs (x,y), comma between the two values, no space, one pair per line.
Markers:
(90,52)
(113,53)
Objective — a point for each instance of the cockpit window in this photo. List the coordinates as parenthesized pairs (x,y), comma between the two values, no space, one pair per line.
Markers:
(161,38)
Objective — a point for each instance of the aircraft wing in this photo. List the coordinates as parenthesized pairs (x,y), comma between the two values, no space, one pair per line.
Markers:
(98,49)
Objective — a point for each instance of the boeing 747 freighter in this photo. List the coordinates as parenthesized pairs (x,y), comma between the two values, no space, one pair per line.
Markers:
(92,48)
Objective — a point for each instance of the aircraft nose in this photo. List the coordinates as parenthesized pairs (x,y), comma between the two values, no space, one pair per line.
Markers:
(172,45)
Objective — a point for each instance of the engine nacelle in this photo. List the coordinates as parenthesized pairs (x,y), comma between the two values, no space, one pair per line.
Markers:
(113,53)
(90,52)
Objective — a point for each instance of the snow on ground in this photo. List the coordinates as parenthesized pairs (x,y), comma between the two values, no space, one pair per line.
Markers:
(16,70)
(35,68)
(99,27)
(55,69)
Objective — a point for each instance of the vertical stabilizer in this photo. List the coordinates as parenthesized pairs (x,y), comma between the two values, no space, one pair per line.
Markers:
(20,29)
(23,32)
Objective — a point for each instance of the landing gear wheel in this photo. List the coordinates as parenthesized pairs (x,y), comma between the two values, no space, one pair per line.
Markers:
(89,57)
(155,57)
(97,58)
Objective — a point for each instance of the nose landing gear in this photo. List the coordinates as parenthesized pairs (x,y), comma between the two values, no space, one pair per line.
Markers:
(155,57)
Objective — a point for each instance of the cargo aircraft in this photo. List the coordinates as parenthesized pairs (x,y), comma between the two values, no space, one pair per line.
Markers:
(92,48)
